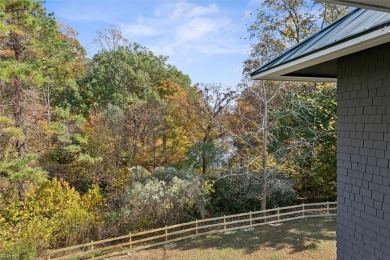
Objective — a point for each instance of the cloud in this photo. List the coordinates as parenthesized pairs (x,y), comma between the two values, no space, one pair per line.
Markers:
(185,28)
(198,29)
(203,38)
(189,10)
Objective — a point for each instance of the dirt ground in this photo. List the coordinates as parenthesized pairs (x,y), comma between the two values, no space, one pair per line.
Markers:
(312,239)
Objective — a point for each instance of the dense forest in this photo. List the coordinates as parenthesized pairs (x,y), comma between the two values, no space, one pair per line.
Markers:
(97,147)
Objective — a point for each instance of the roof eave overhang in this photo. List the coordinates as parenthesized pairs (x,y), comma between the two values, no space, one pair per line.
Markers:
(357,44)
(298,78)
(364,4)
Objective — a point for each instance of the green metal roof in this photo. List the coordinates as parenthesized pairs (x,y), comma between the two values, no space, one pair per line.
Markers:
(355,24)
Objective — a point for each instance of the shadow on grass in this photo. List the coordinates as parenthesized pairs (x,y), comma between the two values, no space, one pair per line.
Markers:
(300,235)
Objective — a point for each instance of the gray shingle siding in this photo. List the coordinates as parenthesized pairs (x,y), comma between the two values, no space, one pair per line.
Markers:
(363,220)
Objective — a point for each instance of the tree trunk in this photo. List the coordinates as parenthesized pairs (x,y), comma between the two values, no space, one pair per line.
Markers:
(204,164)
(20,145)
(264,153)
(164,147)
(206,140)
(154,151)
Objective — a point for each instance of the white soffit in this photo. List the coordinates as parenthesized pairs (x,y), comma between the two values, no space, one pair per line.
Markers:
(379,5)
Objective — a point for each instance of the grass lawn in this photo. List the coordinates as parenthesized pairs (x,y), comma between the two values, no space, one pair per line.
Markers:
(313,239)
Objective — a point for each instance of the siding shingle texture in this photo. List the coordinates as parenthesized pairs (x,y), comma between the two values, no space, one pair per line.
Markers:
(363,120)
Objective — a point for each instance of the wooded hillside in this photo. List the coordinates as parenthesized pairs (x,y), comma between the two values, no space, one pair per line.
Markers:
(96,147)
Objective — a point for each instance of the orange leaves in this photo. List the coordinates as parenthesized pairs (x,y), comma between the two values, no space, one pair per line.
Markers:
(168,89)
(7,53)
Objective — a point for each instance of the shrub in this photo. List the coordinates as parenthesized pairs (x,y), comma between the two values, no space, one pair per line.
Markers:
(280,191)
(25,249)
(164,200)
(53,215)
(241,192)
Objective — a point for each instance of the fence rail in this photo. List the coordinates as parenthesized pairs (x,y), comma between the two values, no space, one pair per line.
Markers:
(168,234)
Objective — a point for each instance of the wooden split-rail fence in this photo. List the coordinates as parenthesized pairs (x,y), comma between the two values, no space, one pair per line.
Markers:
(156,237)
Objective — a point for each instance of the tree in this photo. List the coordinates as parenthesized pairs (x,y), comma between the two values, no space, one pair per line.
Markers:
(330,13)
(279,25)
(251,128)
(68,157)
(210,108)
(307,137)
(31,50)
(123,73)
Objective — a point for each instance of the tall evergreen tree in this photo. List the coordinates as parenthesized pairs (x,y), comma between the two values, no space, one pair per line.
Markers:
(33,57)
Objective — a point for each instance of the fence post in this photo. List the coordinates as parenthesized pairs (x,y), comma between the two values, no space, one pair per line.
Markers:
(224,222)
(327,207)
(295,213)
(166,233)
(130,241)
(92,247)
(196,230)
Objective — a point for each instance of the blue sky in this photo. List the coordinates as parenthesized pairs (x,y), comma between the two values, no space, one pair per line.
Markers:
(203,38)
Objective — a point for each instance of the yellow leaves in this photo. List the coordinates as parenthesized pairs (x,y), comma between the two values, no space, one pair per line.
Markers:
(208,187)
(14,132)
(54,215)
(332,125)
(93,200)
(6,120)
(169,205)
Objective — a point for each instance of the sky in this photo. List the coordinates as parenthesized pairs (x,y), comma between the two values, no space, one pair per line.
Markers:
(206,39)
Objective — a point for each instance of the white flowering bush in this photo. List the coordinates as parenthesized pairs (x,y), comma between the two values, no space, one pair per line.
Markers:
(166,197)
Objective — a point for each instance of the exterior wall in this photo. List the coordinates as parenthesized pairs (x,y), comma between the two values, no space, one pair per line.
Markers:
(363,221)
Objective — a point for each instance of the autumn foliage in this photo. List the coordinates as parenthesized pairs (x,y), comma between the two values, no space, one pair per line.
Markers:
(92,148)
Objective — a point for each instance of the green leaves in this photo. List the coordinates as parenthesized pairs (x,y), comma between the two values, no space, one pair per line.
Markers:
(23,169)
(13,134)
(125,74)
(305,139)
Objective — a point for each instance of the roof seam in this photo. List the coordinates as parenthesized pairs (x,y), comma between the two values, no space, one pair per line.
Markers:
(316,38)
(322,48)
(306,40)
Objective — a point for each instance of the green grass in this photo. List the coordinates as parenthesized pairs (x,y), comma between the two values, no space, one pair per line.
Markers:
(313,238)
